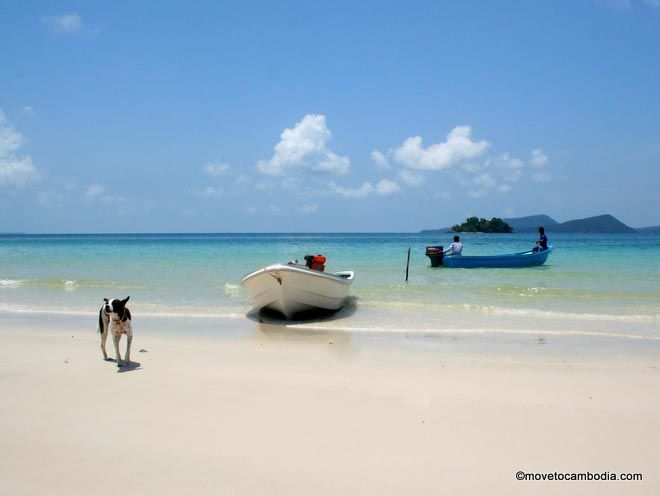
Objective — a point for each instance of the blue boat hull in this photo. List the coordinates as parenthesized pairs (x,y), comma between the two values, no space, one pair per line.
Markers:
(522,259)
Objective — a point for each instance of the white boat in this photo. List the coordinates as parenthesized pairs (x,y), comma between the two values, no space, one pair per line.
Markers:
(292,288)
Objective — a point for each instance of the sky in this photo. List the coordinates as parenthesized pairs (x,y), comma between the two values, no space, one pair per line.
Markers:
(325,116)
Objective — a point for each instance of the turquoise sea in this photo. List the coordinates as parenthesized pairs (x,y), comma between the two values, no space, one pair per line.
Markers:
(592,284)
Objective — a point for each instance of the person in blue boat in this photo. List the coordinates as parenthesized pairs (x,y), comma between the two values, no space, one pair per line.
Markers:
(542,243)
(455,248)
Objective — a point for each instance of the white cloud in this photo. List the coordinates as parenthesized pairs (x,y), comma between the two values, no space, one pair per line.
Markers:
(539,158)
(210,191)
(28,110)
(232,178)
(93,191)
(410,178)
(362,191)
(291,184)
(264,185)
(303,148)
(15,171)
(485,181)
(458,147)
(309,208)
(251,210)
(541,177)
(478,193)
(96,192)
(471,167)
(385,187)
(507,167)
(497,173)
(380,160)
(67,23)
(51,198)
(512,162)
(216,169)
(242,180)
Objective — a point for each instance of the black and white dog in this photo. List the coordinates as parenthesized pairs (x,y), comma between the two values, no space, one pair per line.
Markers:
(116,318)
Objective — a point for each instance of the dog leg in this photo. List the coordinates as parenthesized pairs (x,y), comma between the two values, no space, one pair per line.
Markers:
(115,338)
(104,336)
(103,330)
(127,357)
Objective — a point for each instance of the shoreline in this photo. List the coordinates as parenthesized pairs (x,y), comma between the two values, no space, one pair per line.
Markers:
(586,345)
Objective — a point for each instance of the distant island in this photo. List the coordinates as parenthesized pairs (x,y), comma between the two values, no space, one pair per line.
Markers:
(474,224)
(603,224)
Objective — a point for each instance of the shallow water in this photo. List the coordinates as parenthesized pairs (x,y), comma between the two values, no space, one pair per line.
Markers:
(594,284)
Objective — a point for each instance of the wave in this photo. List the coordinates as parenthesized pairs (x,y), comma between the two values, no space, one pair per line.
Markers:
(232,290)
(472,331)
(66,284)
(390,327)
(226,313)
(499,310)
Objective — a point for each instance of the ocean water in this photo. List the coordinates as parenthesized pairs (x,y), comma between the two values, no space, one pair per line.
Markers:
(592,284)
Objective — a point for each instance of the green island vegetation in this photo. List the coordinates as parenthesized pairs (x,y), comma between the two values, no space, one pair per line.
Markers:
(474,224)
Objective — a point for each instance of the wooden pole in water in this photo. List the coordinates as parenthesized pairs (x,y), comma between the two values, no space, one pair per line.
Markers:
(407,264)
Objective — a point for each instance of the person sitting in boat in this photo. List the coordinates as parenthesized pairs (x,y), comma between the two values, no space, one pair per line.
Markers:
(455,248)
(542,243)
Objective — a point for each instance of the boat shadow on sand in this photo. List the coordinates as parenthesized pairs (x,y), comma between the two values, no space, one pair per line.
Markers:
(266,316)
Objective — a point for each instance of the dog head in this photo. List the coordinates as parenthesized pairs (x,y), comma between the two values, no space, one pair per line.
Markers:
(116,309)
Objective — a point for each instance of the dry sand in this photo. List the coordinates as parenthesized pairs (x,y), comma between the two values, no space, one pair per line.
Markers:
(263,413)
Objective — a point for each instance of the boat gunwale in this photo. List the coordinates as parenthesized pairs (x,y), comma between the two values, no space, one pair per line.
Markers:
(526,254)
(303,270)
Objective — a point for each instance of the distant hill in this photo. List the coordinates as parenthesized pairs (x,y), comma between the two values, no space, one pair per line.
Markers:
(530,223)
(440,230)
(599,224)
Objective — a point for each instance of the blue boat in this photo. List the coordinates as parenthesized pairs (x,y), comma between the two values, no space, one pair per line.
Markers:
(523,259)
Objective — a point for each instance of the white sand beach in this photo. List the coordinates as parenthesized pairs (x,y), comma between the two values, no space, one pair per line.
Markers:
(274,413)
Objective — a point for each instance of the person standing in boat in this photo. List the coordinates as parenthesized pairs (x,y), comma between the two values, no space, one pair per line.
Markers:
(455,248)
(542,243)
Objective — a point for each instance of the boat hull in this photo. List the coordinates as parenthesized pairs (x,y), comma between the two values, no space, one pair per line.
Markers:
(292,289)
(513,260)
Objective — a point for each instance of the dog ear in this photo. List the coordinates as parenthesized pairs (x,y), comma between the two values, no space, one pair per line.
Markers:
(106,300)
(126,300)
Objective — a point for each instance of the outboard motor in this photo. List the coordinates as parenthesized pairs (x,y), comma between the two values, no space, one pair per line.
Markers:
(315,262)
(436,254)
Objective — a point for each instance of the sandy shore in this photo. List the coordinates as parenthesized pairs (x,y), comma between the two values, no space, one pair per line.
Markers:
(270,413)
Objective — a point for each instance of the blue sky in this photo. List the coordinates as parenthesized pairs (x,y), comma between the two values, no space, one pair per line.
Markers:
(288,116)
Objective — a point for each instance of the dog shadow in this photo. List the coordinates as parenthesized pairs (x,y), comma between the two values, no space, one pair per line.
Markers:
(130,367)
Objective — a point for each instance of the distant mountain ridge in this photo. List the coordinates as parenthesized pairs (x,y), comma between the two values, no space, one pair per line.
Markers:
(597,224)
(531,222)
